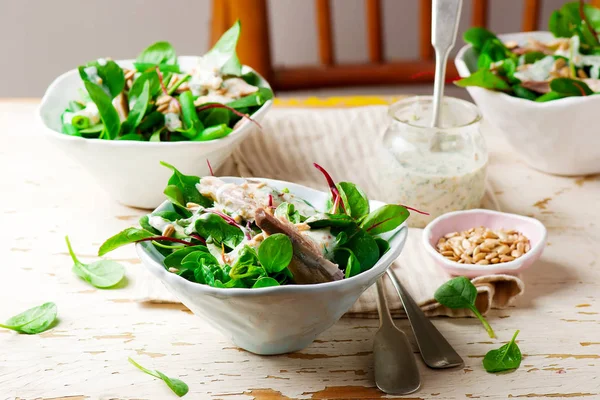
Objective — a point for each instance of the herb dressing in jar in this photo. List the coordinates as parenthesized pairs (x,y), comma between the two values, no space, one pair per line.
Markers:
(436,170)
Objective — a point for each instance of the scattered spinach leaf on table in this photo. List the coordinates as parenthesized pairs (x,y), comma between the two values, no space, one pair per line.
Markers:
(459,292)
(34,320)
(101,274)
(179,387)
(505,358)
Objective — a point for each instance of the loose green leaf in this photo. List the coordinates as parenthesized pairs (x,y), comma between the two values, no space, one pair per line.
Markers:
(355,200)
(101,274)
(570,87)
(223,55)
(136,114)
(477,37)
(108,113)
(111,74)
(275,253)
(127,236)
(505,358)
(459,292)
(187,185)
(158,53)
(385,219)
(33,321)
(265,281)
(178,387)
(138,85)
(212,226)
(484,78)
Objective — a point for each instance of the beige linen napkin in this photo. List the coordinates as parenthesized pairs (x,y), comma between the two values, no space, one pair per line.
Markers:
(347,143)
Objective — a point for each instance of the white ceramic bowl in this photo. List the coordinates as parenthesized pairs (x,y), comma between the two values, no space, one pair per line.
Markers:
(459,221)
(274,320)
(129,170)
(558,137)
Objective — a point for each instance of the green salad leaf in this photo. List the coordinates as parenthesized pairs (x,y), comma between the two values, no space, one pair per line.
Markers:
(127,236)
(484,78)
(108,113)
(158,53)
(275,253)
(459,292)
(505,358)
(34,320)
(101,274)
(179,387)
(137,112)
(223,55)
(384,219)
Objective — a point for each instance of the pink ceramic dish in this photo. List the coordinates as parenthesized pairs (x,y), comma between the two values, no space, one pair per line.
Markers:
(463,220)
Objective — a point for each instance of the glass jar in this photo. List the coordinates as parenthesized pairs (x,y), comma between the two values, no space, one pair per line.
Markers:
(436,170)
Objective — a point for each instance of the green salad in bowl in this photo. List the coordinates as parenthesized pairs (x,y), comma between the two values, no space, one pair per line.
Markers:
(541,71)
(247,233)
(158,98)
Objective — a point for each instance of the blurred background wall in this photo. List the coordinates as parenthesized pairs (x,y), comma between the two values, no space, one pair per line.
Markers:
(40,39)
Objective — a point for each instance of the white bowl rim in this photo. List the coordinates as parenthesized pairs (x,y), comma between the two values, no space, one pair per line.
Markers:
(510,265)
(59,135)
(517,101)
(401,232)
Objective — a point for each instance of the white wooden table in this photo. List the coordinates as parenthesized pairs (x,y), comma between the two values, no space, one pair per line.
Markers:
(44,196)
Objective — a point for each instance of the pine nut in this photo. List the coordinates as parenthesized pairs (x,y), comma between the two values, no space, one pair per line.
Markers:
(169,230)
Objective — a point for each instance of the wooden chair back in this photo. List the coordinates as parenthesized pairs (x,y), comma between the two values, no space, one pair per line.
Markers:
(253,14)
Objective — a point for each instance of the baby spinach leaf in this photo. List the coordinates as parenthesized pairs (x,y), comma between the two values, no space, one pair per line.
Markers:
(127,236)
(101,274)
(533,56)
(175,196)
(385,219)
(138,85)
(459,292)
(158,53)
(212,226)
(189,115)
(166,68)
(153,119)
(550,96)
(484,78)
(265,281)
(364,247)
(223,55)
(288,211)
(570,87)
(138,110)
(567,22)
(493,50)
(108,113)
(383,245)
(215,116)
(524,93)
(352,265)
(131,136)
(187,185)
(178,387)
(275,253)
(113,78)
(477,37)
(176,258)
(33,321)
(355,200)
(324,220)
(258,98)
(505,358)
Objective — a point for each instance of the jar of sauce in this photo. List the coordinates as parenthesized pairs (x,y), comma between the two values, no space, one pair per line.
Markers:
(436,170)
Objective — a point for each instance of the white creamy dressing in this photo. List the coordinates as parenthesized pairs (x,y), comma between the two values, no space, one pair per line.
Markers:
(324,240)
(436,172)
(204,78)
(539,71)
(172,122)
(212,98)
(573,54)
(92,74)
(102,62)
(237,87)
(68,117)
(159,223)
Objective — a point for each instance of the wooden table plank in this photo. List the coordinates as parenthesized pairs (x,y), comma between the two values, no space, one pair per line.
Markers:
(46,195)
